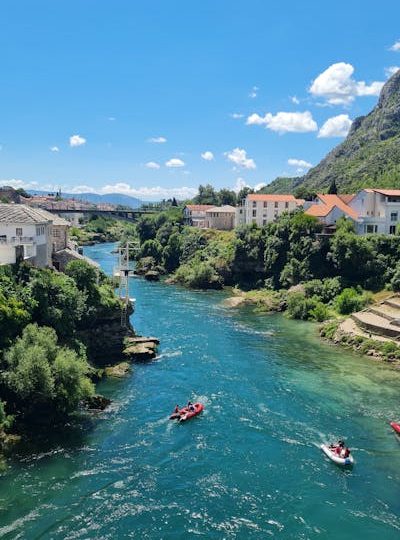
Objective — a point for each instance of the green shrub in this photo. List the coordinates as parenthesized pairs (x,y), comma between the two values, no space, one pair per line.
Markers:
(40,373)
(349,301)
(319,313)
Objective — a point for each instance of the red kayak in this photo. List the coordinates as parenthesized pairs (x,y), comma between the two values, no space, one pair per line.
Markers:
(396,427)
(184,414)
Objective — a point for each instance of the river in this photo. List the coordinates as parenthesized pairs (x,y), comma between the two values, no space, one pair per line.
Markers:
(249,467)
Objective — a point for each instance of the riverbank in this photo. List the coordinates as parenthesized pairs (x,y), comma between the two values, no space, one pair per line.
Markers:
(272,392)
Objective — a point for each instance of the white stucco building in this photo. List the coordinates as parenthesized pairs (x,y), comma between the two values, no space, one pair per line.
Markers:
(371,210)
(25,234)
(195,214)
(378,210)
(262,209)
(220,217)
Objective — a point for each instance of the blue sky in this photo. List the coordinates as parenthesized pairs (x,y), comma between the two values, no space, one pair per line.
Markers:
(126,95)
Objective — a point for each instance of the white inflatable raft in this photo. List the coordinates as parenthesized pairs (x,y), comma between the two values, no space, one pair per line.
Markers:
(335,458)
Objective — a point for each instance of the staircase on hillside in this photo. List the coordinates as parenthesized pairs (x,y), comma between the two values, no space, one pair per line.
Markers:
(381,319)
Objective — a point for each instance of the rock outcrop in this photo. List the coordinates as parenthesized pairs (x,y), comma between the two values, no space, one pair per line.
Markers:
(139,348)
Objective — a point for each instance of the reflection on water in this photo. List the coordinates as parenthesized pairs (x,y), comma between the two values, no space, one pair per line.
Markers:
(249,466)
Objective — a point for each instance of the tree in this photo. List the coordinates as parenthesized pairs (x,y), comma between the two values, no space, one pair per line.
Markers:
(152,248)
(332,190)
(243,193)
(172,252)
(13,317)
(206,195)
(227,196)
(174,202)
(42,376)
(58,301)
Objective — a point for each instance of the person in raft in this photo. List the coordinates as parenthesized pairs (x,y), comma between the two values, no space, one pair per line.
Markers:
(340,449)
(176,410)
(190,406)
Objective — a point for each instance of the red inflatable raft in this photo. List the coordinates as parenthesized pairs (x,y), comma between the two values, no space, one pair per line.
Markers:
(396,427)
(185,414)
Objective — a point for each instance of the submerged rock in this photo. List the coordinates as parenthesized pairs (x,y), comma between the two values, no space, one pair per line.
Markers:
(97,402)
(119,370)
(152,275)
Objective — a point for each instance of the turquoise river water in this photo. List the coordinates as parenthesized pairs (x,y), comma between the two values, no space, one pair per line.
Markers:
(249,467)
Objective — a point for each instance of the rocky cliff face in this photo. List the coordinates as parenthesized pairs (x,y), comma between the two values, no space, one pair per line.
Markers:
(369,156)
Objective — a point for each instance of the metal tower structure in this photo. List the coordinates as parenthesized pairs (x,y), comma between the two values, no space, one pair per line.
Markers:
(122,272)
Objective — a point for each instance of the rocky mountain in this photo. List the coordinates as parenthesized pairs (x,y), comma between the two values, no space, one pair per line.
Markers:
(368,157)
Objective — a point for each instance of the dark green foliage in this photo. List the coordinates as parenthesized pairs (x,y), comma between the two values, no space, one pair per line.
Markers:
(58,301)
(326,289)
(6,420)
(332,190)
(306,309)
(227,196)
(86,278)
(172,252)
(152,248)
(243,193)
(199,276)
(248,263)
(41,375)
(350,300)
(206,195)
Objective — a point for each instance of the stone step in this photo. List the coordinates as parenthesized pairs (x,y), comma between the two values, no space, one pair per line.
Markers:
(385,311)
(375,324)
(393,302)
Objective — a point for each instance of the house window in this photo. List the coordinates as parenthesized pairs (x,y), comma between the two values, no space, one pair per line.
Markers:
(254,204)
(264,221)
(394,216)
(392,229)
(18,231)
(286,205)
(254,213)
(370,229)
(276,204)
(241,211)
(265,204)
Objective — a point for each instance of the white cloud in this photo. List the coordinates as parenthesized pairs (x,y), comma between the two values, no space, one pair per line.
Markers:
(391,70)
(54,149)
(175,163)
(295,100)
(285,122)
(157,140)
(240,184)
(236,116)
(111,118)
(253,92)
(396,46)
(259,186)
(337,86)
(152,165)
(76,140)
(337,126)
(15,183)
(299,163)
(208,156)
(238,156)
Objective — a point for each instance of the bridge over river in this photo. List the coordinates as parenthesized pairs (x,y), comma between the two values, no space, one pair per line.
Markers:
(121,214)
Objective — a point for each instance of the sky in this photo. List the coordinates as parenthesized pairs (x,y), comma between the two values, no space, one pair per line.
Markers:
(153,97)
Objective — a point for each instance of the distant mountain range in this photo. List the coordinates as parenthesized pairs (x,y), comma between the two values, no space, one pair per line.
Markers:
(368,157)
(96,198)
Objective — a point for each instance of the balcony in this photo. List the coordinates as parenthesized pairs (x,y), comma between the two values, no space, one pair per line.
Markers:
(17,241)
